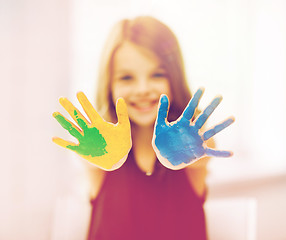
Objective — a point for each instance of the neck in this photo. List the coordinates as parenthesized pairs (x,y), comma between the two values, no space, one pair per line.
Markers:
(142,134)
(142,147)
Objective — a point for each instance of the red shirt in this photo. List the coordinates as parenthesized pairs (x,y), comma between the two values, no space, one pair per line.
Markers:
(132,205)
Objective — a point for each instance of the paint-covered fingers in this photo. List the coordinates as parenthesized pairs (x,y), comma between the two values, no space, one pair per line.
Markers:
(63,143)
(66,124)
(163,110)
(88,108)
(200,121)
(216,129)
(218,153)
(122,112)
(192,105)
(74,112)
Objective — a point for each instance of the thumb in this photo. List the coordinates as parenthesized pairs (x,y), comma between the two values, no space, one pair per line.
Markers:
(163,110)
(122,113)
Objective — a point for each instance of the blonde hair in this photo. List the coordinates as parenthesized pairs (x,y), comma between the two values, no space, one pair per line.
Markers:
(151,34)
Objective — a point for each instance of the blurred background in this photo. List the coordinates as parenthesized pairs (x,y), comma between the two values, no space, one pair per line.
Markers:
(48,49)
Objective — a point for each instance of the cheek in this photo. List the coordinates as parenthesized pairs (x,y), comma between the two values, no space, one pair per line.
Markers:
(119,91)
(164,87)
(168,90)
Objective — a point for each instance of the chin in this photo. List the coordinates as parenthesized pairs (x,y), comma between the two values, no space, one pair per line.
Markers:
(143,119)
(143,122)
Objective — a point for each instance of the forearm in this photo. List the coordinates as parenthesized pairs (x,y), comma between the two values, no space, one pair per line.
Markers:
(197,172)
(95,179)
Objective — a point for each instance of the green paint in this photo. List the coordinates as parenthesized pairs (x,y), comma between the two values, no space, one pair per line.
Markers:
(91,143)
(66,125)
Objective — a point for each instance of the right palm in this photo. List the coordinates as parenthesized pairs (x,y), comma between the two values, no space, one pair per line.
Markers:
(104,144)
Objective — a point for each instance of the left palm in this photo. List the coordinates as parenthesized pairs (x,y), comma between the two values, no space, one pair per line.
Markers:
(180,143)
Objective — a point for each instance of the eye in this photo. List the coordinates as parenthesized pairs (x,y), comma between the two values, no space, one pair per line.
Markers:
(159,75)
(126,77)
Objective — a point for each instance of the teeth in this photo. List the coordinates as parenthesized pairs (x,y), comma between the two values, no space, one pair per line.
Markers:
(144,105)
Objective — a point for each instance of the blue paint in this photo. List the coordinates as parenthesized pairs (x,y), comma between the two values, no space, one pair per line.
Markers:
(163,111)
(207,112)
(191,107)
(208,134)
(217,153)
(181,141)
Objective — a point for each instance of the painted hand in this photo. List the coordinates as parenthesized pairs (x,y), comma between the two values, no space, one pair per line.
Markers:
(180,143)
(104,144)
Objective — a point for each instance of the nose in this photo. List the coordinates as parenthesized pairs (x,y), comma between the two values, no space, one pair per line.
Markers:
(142,86)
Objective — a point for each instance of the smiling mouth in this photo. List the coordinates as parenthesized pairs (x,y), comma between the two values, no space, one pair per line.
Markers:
(145,106)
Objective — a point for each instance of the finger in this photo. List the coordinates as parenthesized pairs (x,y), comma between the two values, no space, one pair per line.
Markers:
(66,124)
(216,129)
(163,110)
(74,112)
(218,153)
(191,107)
(88,108)
(207,112)
(121,111)
(63,143)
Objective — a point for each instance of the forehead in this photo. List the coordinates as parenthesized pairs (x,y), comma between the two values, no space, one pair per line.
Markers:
(131,56)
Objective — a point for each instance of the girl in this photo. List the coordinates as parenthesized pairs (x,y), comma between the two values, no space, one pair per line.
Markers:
(142,198)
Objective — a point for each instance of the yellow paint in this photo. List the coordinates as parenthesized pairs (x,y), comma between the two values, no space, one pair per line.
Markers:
(117,136)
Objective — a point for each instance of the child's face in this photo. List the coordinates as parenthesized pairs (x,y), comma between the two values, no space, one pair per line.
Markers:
(138,78)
